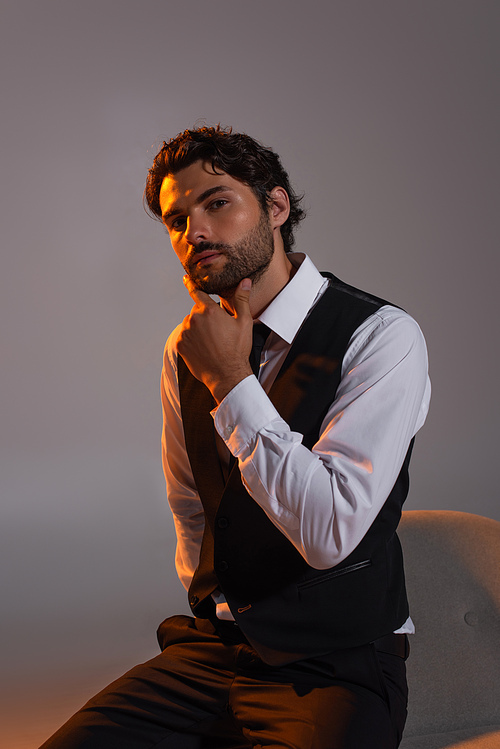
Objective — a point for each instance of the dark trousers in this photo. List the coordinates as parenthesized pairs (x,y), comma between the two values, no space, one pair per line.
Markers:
(209,689)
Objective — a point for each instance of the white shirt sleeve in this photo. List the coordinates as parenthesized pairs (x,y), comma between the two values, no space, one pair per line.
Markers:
(182,494)
(325,500)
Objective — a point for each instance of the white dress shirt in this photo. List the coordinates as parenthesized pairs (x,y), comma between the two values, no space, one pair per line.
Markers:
(325,499)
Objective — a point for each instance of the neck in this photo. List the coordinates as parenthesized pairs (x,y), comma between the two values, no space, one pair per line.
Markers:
(269,285)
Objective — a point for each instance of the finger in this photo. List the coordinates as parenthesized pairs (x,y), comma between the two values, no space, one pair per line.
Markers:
(241,300)
(196,294)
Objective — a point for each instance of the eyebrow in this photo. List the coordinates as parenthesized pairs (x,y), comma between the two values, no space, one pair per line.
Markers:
(204,195)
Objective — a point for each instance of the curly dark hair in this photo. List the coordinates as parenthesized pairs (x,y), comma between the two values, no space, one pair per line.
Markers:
(238,155)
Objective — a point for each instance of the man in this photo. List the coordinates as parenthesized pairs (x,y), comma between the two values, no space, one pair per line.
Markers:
(286,449)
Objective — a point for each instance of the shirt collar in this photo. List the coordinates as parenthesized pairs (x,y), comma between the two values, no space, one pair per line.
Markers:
(286,313)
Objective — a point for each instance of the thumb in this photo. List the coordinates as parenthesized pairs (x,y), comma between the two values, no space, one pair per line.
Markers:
(241,299)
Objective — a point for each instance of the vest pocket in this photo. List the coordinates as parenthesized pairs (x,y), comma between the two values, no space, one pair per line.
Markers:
(331,574)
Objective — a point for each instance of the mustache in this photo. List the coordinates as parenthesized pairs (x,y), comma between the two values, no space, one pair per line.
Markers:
(204,246)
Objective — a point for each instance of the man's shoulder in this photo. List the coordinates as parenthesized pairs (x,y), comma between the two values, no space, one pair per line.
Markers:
(170,350)
(380,323)
(352,293)
(390,330)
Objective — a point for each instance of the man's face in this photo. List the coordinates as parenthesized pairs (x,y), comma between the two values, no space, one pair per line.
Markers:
(217,228)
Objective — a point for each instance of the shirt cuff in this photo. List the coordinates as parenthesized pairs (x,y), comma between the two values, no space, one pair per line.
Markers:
(245,411)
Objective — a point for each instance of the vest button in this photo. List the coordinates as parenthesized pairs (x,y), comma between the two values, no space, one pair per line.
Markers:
(223,566)
(222,522)
(194,600)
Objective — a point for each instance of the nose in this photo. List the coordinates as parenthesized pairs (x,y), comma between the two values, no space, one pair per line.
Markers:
(196,230)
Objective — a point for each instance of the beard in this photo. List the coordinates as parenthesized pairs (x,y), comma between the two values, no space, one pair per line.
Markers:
(248,258)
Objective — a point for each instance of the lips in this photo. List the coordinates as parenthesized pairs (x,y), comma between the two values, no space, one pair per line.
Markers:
(201,258)
(208,256)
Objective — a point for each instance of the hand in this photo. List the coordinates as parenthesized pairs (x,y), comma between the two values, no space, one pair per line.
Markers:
(214,344)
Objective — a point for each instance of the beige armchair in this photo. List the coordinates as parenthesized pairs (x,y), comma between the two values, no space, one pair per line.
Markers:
(452,562)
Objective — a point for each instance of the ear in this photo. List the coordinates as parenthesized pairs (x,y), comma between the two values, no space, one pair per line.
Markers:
(279,209)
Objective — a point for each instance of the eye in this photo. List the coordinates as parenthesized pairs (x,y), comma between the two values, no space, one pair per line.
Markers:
(216,204)
(178,223)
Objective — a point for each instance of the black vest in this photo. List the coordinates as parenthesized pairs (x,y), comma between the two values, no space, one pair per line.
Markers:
(287,609)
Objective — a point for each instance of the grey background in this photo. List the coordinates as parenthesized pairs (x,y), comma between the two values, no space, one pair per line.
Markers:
(386,116)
